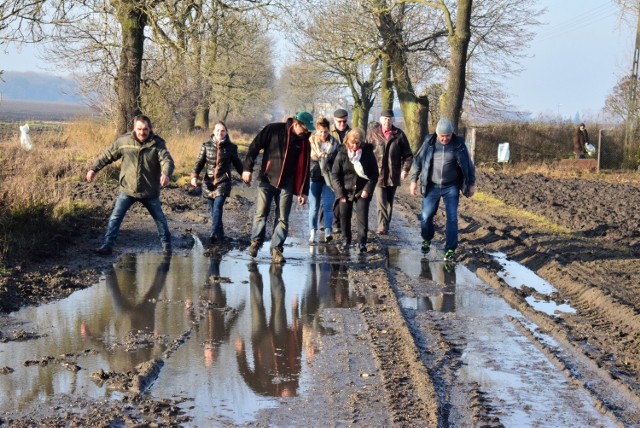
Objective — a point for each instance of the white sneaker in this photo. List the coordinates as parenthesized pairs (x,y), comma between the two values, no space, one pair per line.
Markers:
(312,236)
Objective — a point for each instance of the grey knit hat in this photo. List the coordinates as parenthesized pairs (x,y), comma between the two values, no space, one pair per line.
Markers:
(444,127)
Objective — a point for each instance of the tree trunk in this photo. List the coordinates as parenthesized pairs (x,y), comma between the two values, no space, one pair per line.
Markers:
(451,105)
(132,20)
(415,109)
(386,85)
(202,117)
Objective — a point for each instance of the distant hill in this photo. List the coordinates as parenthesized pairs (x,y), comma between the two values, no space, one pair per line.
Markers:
(34,86)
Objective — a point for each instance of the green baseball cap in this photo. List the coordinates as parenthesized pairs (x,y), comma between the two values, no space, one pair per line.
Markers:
(306,119)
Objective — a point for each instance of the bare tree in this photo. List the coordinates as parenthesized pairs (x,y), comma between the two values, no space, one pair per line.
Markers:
(496,32)
(339,41)
(118,41)
(623,104)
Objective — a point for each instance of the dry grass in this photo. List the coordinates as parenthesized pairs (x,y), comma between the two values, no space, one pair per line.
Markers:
(34,185)
(498,207)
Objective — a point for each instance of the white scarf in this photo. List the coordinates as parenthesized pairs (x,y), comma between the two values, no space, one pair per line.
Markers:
(354,158)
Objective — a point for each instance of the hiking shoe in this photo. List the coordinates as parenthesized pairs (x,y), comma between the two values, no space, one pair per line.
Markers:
(276,255)
(104,250)
(362,248)
(450,256)
(426,245)
(166,248)
(253,248)
(449,267)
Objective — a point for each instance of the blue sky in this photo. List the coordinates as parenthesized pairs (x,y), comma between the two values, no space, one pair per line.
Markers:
(574,61)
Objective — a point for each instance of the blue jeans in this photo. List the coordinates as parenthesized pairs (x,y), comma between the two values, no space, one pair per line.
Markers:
(215,207)
(122,205)
(282,198)
(451,196)
(319,192)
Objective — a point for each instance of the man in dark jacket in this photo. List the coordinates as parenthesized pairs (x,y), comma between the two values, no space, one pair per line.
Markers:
(146,166)
(394,157)
(445,168)
(339,131)
(284,172)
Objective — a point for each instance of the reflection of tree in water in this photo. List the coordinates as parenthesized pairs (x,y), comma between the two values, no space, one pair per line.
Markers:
(219,318)
(441,273)
(276,347)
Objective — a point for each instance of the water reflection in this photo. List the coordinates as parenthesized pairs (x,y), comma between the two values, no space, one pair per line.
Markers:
(443,274)
(252,332)
(219,319)
(276,345)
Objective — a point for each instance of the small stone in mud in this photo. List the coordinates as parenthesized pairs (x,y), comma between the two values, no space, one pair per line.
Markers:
(71,367)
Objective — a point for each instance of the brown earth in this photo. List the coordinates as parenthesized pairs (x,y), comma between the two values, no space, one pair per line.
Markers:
(585,241)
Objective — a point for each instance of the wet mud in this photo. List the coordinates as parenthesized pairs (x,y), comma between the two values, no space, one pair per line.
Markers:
(410,345)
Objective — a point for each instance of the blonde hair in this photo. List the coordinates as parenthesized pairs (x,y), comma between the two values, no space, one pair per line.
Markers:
(355,134)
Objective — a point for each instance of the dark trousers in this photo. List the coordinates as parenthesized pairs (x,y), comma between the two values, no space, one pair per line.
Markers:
(384,204)
(362,219)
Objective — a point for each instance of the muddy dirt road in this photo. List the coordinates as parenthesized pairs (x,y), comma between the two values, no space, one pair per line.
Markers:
(536,325)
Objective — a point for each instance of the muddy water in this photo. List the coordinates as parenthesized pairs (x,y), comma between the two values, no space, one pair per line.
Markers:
(517,276)
(520,382)
(248,327)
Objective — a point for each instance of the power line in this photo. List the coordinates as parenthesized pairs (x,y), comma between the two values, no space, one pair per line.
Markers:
(582,20)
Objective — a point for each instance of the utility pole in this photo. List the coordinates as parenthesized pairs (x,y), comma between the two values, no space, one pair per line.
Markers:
(631,123)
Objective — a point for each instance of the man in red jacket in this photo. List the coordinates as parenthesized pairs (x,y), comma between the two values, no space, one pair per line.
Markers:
(284,173)
(394,157)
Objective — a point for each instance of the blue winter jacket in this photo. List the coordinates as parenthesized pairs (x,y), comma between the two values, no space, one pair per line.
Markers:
(423,162)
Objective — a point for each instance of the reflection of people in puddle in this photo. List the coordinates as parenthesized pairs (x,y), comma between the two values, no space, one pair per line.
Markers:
(218,319)
(445,274)
(327,287)
(276,346)
(318,296)
(137,312)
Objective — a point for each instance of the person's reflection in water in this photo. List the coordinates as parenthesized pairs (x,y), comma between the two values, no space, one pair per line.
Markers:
(445,274)
(327,287)
(276,346)
(135,314)
(219,318)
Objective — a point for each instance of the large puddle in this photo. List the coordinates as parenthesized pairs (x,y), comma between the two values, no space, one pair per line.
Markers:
(248,327)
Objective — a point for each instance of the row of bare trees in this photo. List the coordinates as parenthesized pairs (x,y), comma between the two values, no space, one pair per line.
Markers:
(173,59)
(417,51)
(182,61)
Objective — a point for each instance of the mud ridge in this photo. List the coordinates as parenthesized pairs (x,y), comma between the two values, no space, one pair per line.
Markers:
(410,390)
(582,367)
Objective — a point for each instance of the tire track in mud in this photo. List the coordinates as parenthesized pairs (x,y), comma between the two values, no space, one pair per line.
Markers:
(411,393)
(610,396)
(603,333)
(603,329)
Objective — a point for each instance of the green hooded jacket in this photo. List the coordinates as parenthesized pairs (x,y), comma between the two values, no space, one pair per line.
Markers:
(142,164)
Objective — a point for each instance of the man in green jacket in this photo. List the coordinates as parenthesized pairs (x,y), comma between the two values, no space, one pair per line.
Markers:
(146,166)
